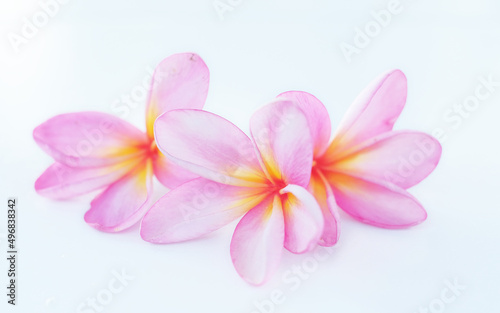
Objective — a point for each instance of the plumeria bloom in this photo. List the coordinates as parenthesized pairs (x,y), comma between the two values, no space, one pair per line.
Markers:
(98,151)
(264,180)
(367,167)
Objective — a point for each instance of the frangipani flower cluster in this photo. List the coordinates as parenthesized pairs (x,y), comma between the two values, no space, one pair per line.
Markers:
(286,181)
(266,184)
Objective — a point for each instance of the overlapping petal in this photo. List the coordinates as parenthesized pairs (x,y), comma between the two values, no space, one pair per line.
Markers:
(257,243)
(240,182)
(317,118)
(197,208)
(375,202)
(323,193)
(179,82)
(170,174)
(281,133)
(303,219)
(124,202)
(63,182)
(209,146)
(373,112)
(403,158)
(90,139)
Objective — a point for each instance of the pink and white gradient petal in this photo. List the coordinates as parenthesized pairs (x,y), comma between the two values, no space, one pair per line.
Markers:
(180,81)
(377,203)
(280,132)
(303,219)
(257,243)
(195,209)
(403,158)
(323,193)
(373,112)
(124,202)
(90,139)
(209,146)
(317,117)
(170,174)
(63,182)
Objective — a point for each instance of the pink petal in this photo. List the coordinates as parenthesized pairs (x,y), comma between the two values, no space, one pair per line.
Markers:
(124,203)
(62,182)
(90,139)
(257,242)
(326,200)
(179,82)
(209,146)
(195,209)
(375,202)
(281,133)
(373,112)
(317,117)
(403,158)
(170,174)
(303,219)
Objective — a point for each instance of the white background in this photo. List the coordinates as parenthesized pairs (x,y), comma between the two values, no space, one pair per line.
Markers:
(93,52)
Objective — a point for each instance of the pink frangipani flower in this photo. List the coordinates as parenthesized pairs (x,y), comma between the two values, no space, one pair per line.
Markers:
(95,151)
(264,180)
(367,167)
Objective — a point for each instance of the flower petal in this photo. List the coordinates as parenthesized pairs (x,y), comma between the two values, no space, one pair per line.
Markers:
(179,82)
(209,146)
(124,203)
(303,219)
(63,182)
(90,139)
(326,200)
(195,209)
(170,174)
(317,117)
(375,202)
(257,243)
(281,134)
(403,158)
(373,112)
